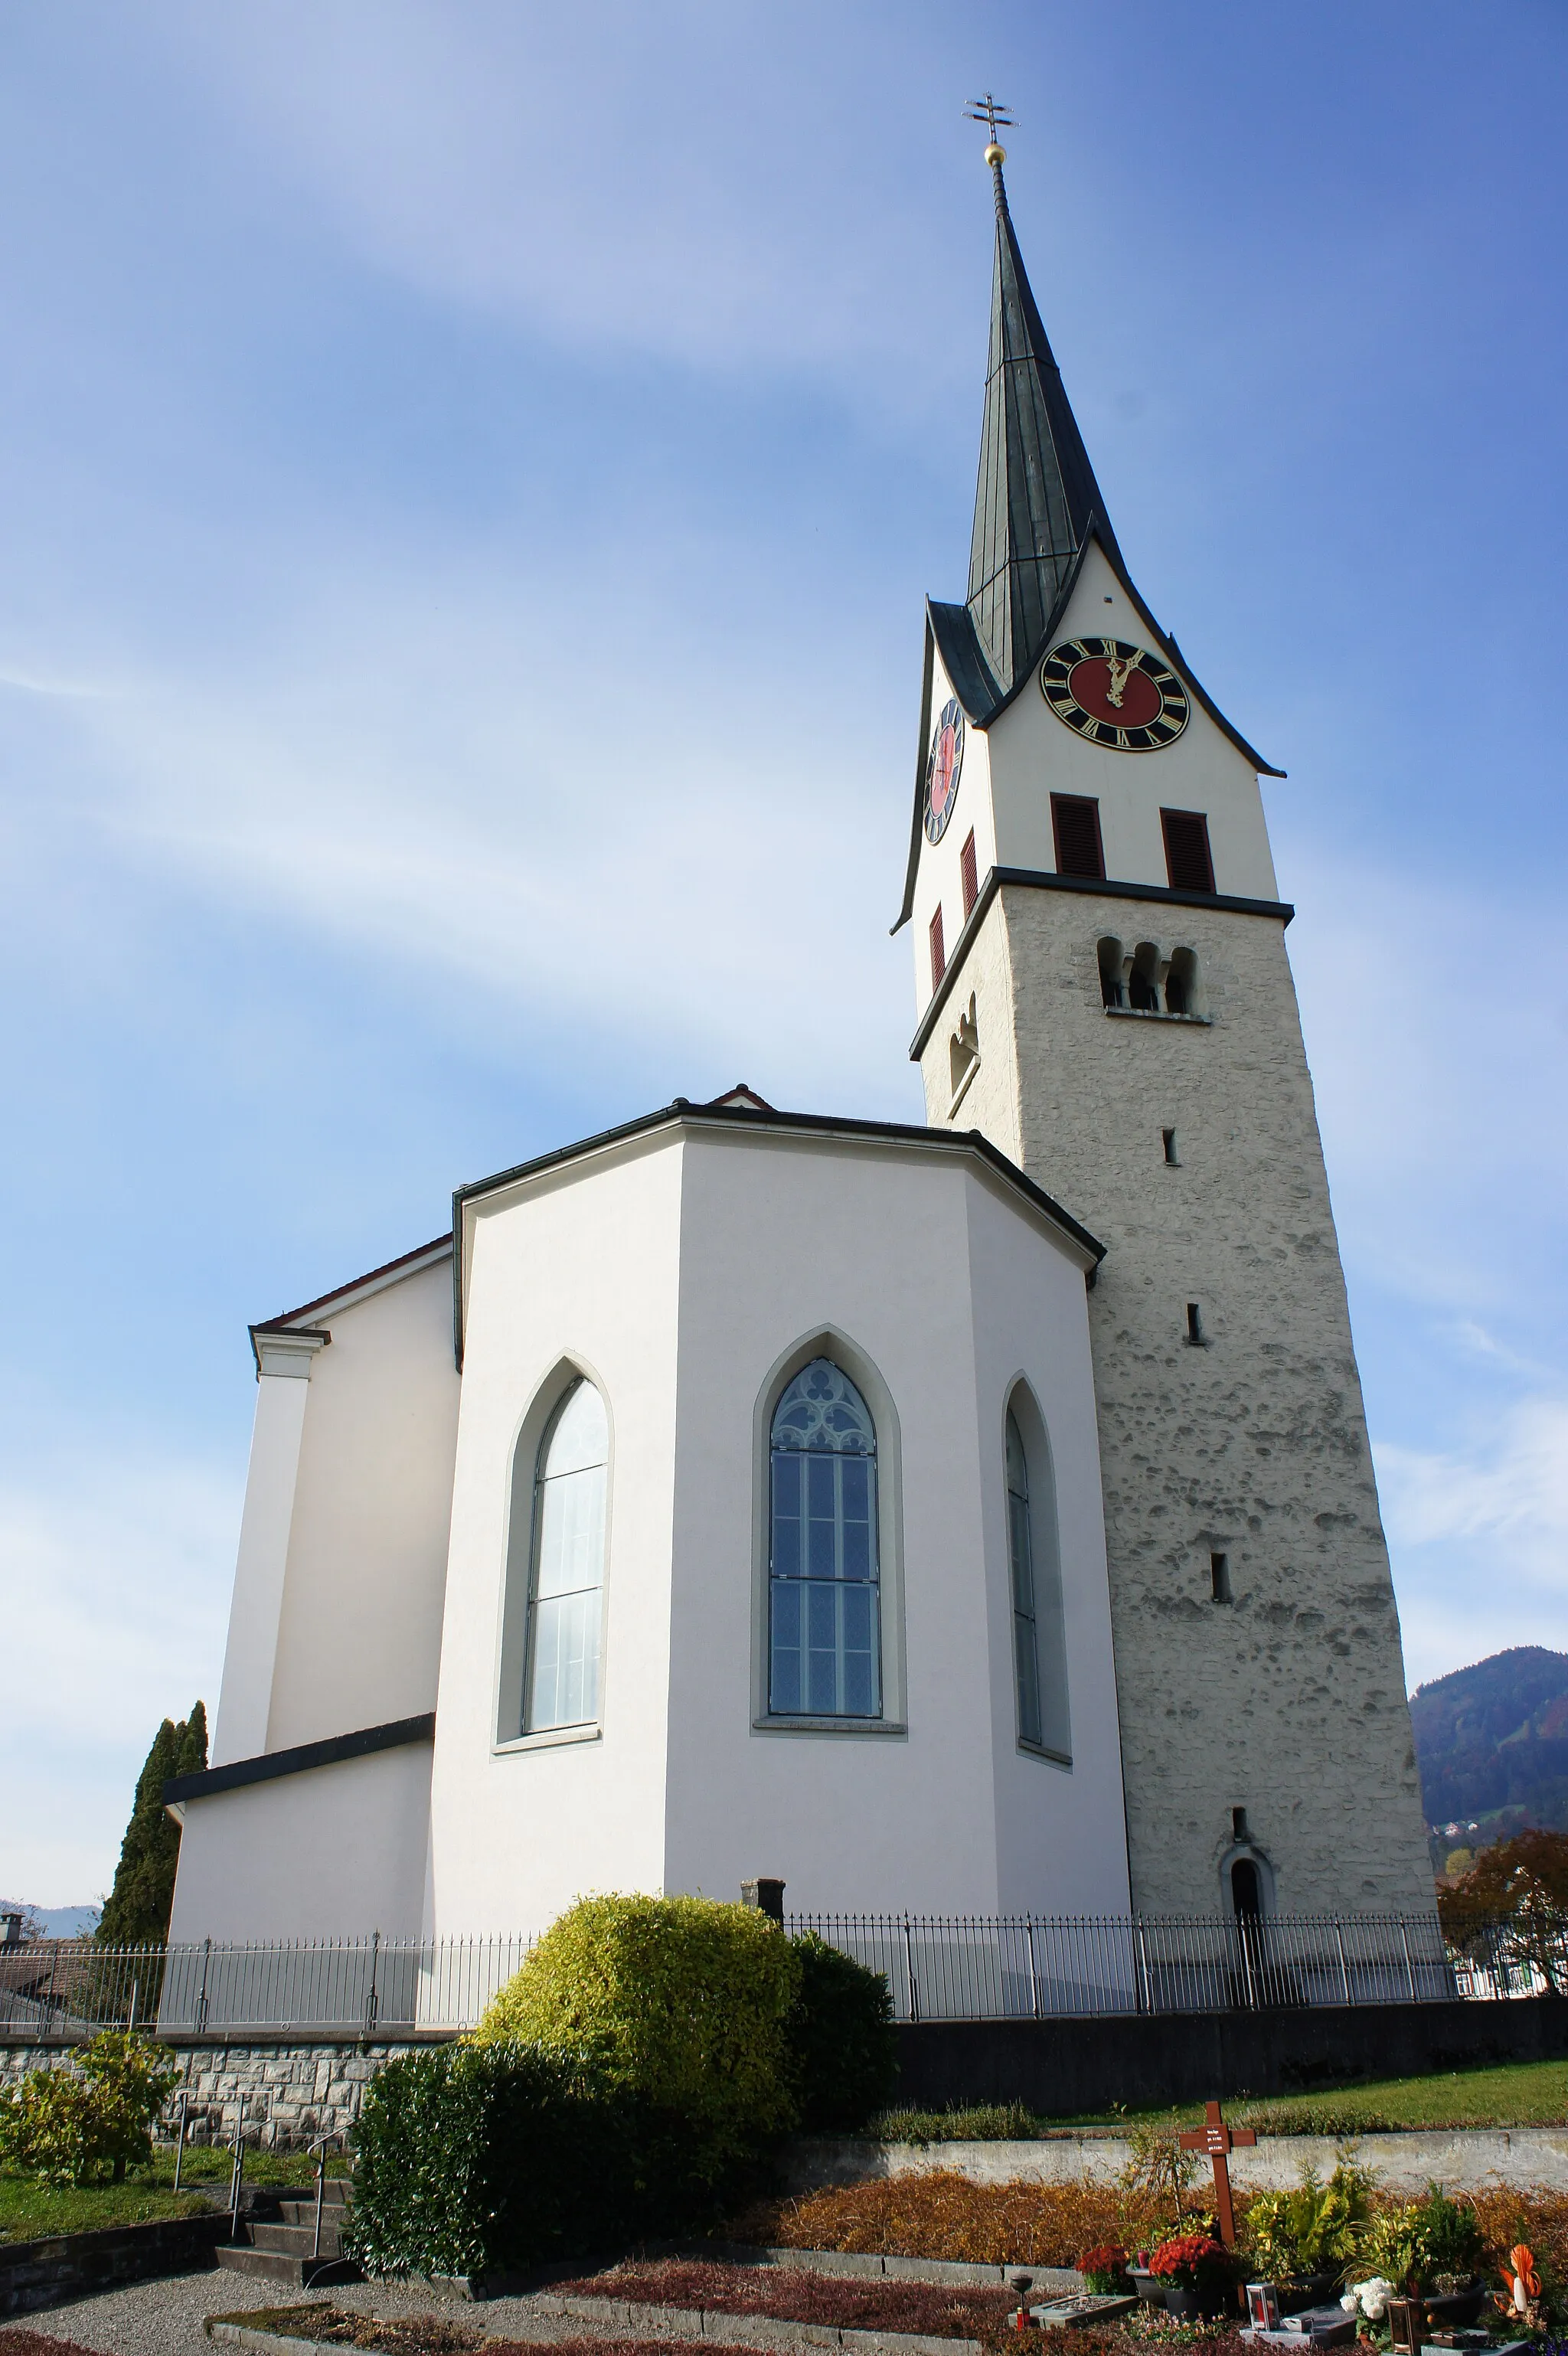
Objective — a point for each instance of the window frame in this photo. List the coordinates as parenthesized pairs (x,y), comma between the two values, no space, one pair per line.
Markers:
(1198,821)
(519,1553)
(1049,1607)
(829,1343)
(1090,802)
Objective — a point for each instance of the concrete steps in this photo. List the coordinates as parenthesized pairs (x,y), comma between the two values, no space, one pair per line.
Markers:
(277,2240)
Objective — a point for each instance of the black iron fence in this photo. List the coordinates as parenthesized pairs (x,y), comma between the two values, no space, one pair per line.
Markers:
(938,1968)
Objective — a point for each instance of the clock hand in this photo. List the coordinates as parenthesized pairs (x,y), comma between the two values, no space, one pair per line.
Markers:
(1118,666)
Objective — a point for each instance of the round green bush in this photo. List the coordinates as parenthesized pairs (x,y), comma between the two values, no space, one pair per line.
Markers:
(841,2032)
(683,2002)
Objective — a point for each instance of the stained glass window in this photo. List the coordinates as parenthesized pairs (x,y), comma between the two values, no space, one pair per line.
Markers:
(565,1597)
(824,1626)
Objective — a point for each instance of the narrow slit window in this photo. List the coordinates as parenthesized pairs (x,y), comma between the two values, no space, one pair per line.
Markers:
(1220,1577)
(1040,1637)
(1187,862)
(938,953)
(969,873)
(1168,1138)
(1194,1325)
(1075,822)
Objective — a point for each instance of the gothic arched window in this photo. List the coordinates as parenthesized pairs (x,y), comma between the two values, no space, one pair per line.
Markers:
(1039,1636)
(824,1619)
(566,1587)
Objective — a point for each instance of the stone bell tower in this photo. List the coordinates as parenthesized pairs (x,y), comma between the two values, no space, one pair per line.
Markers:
(1105,991)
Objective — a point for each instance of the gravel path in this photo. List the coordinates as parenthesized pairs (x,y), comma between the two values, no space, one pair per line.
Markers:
(166,2319)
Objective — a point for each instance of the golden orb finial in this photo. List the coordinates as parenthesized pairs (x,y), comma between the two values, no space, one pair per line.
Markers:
(996,117)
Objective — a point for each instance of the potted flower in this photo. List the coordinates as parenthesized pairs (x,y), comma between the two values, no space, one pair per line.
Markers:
(1105,2267)
(1197,2273)
(1432,2250)
(1305,2238)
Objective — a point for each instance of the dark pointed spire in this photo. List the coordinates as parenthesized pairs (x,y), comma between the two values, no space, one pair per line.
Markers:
(1037,495)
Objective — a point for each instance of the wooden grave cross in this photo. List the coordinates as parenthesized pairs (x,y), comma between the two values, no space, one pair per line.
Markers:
(1216,2139)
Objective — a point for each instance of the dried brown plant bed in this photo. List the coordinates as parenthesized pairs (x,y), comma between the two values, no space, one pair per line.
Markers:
(791,2295)
(18,2339)
(942,2214)
(406,2335)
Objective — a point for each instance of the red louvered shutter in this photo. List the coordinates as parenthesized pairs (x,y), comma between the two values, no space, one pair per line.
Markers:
(938,954)
(967,872)
(1075,822)
(1187,860)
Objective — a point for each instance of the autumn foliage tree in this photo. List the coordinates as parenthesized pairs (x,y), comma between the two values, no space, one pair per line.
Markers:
(1513,1902)
(138,1908)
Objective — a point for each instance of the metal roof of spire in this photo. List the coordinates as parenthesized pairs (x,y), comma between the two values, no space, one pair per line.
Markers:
(1037,495)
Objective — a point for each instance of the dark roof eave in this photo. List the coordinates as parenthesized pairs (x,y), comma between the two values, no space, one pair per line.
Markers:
(682,1113)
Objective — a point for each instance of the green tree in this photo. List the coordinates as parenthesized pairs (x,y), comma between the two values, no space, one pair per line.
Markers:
(139,1905)
(1513,1904)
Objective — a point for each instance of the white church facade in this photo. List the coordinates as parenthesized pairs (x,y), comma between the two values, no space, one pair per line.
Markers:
(968,1519)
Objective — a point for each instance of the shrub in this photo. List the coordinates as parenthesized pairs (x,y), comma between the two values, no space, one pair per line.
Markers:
(683,2004)
(840,2031)
(75,2126)
(1313,2228)
(477,2158)
(1415,2242)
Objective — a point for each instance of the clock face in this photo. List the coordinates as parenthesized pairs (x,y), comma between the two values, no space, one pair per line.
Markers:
(942,770)
(1113,693)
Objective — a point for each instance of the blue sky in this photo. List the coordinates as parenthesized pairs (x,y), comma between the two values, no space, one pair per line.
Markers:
(470,478)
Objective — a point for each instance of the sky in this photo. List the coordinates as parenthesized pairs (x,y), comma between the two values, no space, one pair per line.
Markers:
(471,473)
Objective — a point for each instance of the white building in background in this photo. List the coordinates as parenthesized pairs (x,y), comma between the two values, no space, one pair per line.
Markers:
(742,1492)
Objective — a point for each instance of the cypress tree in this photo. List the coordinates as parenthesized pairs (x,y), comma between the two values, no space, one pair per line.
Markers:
(139,1905)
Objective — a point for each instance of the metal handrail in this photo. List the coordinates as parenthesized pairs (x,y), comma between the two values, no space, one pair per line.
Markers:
(319,2147)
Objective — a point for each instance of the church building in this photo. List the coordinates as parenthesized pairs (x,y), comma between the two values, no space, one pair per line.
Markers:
(971,1519)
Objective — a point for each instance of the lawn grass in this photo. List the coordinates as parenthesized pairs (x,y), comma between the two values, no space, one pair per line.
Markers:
(1517,2094)
(31,2212)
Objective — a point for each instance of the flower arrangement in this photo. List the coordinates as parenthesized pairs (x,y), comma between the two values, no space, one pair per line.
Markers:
(1105,2267)
(1314,2229)
(1194,2261)
(1369,2298)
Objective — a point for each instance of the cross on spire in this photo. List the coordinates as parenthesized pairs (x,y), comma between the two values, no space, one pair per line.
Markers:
(996,117)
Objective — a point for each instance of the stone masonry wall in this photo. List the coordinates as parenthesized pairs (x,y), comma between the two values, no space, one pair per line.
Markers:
(1289,1700)
(290,2093)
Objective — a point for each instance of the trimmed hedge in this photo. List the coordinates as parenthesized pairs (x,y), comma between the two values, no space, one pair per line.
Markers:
(841,2035)
(473,2160)
(683,2003)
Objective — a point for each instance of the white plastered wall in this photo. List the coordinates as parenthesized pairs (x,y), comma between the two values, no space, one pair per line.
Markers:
(575,1268)
(880,1250)
(333,1854)
(359,1631)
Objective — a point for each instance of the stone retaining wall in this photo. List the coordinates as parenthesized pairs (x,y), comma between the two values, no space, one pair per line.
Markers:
(35,2274)
(290,2092)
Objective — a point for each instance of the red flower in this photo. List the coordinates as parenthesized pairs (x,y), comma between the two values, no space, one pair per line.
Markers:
(1187,2257)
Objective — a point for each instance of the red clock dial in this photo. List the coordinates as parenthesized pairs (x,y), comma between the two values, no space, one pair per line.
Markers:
(942,769)
(1112,694)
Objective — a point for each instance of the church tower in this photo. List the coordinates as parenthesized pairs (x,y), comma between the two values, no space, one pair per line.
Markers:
(1104,994)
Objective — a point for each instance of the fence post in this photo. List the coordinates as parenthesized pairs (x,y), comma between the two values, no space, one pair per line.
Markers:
(1033,1976)
(202,2000)
(370,2000)
(1344,1966)
(908,1969)
(1140,1952)
(1409,1967)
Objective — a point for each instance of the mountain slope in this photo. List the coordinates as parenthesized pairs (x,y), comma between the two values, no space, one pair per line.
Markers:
(1492,1742)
